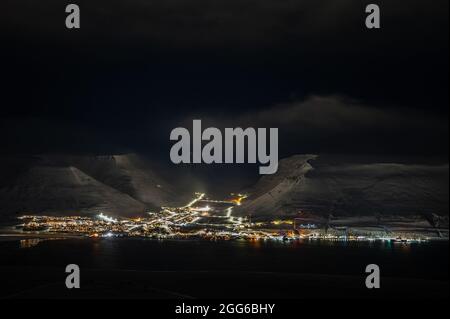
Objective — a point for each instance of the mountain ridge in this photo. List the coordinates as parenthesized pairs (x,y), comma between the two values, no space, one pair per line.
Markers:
(302,184)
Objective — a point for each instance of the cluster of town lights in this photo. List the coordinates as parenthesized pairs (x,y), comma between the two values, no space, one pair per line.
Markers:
(213,220)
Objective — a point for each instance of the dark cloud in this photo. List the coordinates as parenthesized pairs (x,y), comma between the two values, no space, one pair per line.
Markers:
(336,113)
(225,23)
(335,124)
(137,68)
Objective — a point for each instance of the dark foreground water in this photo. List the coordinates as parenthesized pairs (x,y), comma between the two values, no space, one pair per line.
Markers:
(161,269)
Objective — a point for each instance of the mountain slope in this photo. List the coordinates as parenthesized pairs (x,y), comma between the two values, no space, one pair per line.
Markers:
(62,191)
(128,173)
(345,189)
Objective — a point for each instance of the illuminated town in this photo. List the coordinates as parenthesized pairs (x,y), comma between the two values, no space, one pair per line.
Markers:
(202,218)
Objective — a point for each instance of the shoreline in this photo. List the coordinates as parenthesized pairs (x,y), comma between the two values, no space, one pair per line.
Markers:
(17,236)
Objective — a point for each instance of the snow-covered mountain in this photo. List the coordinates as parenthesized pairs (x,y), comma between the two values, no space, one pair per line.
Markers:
(128,173)
(119,185)
(308,184)
(65,190)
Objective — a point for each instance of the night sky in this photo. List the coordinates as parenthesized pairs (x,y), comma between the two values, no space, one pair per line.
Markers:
(139,68)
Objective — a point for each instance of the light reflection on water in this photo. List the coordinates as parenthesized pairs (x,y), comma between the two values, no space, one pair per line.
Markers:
(33,242)
(29,243)
(423,260)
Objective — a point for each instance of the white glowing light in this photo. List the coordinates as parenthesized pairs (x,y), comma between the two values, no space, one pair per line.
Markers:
(202,209)
(199,197)
(107,219)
